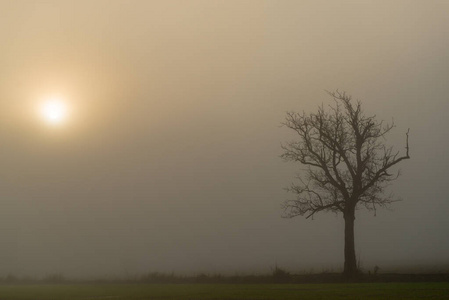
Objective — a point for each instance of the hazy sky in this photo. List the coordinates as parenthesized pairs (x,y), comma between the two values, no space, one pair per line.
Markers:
(169,160)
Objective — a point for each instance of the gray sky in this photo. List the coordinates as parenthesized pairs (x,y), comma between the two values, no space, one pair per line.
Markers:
(169,158)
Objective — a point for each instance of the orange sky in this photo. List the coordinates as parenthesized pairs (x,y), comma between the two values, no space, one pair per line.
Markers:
(170,158)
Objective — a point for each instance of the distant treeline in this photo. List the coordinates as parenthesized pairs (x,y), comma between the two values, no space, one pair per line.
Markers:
(278,275)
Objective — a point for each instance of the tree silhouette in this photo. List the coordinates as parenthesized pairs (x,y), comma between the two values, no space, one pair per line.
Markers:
(347,165)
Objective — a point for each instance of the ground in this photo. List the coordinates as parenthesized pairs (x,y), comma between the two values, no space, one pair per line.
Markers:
(420,290)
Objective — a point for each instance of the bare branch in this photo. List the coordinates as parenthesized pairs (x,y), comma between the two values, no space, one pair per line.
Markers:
(346,159)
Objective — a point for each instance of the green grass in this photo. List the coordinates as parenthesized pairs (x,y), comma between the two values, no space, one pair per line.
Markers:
(225,291)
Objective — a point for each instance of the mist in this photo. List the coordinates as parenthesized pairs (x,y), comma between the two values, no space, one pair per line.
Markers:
(170,160)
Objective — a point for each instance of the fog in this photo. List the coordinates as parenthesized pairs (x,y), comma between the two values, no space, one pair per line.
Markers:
(169,160)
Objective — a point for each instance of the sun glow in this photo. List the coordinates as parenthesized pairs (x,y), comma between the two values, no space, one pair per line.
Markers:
(54,111)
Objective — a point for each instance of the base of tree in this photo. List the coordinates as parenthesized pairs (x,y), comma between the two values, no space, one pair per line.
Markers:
(353,276)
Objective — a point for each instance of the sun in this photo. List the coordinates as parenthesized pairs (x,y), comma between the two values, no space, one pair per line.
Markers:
(54,111)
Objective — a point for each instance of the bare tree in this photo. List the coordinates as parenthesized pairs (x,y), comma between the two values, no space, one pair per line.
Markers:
(347,165)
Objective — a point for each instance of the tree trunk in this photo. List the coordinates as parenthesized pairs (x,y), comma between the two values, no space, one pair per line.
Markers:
(350,269)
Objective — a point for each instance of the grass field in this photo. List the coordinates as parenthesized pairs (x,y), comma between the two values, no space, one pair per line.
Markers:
(225,291)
